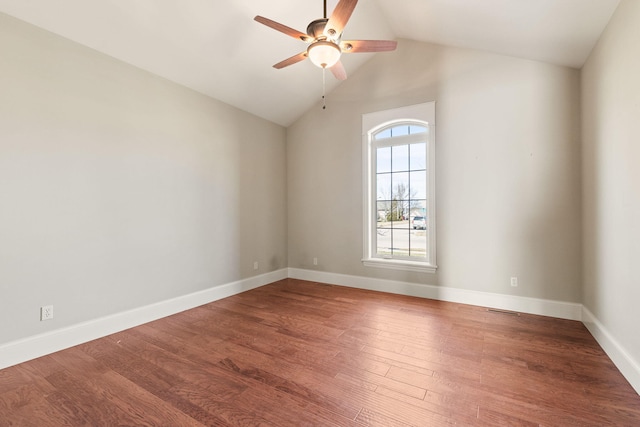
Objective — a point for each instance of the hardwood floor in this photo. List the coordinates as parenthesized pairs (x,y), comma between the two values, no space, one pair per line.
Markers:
(297,353)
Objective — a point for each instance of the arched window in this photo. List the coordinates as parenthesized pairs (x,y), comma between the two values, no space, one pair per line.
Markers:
(399,150)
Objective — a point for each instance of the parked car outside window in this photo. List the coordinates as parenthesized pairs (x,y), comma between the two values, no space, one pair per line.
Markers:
(419,222)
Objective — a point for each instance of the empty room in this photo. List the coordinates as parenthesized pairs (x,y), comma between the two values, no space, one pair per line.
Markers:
(322,213)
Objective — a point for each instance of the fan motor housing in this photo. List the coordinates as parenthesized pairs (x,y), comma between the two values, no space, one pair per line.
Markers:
(316,28)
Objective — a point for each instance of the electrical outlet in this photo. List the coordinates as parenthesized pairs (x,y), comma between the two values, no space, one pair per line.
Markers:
(46,312)
(255,265)
(514,281)
(315,261)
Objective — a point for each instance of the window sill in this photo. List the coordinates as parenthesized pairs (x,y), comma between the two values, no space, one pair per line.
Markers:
(395,264)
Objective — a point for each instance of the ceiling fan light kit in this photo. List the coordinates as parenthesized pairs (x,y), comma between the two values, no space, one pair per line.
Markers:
(324,54)
(325,40)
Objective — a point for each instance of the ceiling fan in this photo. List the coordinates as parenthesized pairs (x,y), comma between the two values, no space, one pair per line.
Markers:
(324,37)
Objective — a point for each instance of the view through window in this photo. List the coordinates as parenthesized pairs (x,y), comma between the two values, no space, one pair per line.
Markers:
(401,191)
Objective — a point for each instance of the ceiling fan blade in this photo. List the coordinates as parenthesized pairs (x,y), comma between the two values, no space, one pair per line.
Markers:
(354,46)
(338,71)
(283,28)
(339,17)
(290,61)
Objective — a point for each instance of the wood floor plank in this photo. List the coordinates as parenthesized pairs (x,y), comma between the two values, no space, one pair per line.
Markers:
(410,376)
(371,417)
(299,388)
(492,418)
(28,405)
(11,379)
(340,388)
(458,410)
(282,408)
(297,353)
(95,408)
(205,407)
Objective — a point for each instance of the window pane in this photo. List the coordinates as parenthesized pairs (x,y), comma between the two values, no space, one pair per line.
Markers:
(383,186)
(384,214)
(383,242)
(401,214)
(418,243)
(418,183)
(418,156)
(384,134)
(400,186)
(400,130)
(383,159)
(413,129)
(401,243)
(400,158)
(418,208)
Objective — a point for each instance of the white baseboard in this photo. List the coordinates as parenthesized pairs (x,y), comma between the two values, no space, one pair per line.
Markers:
(30,348)
(560,309)
(628,366)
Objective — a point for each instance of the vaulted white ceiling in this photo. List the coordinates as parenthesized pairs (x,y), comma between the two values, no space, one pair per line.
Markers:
(216,48)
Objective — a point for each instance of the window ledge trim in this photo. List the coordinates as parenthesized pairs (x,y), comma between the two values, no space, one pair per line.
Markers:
(392,264)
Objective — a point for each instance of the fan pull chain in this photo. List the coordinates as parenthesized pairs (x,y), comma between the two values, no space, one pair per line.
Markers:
(324,105)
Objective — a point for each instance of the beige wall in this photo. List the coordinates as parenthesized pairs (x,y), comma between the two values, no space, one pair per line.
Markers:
(611,183)
(119,189)
(508,170)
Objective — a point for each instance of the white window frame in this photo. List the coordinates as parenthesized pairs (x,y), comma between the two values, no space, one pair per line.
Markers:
(420,114)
